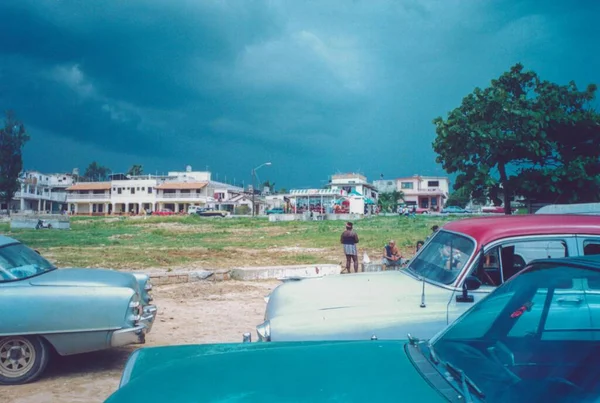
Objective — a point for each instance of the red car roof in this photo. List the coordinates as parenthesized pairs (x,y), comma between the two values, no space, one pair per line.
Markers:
(489,229)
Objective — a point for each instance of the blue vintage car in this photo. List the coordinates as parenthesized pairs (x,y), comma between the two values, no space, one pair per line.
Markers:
(68,310)
(534,339)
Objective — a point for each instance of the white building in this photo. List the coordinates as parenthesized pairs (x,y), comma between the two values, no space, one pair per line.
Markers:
(353,182)
(41,192)
(428,192)
(147,193)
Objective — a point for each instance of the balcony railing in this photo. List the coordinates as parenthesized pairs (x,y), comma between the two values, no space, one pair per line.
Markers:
(58,197)
(180,196)
(76,197)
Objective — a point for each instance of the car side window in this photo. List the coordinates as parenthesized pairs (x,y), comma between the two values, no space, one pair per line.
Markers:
(516,255)
(591,247)
(504,261)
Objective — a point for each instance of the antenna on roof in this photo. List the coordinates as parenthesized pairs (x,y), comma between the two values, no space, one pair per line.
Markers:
(423,294)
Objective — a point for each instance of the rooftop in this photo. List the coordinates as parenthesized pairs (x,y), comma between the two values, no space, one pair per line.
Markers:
(90,186)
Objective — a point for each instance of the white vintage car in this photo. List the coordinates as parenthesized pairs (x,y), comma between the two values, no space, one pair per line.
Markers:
(464,262)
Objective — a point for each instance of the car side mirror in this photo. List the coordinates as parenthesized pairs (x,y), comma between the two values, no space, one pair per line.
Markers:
(37,251)
(472,283)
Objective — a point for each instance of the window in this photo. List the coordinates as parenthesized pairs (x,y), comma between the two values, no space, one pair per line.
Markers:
(132,190)
(138,188)
(149,190)
(406,185)
(434,201)
(390,183)
(591,248)
(143,188)
(119,190)
(433,184)
(504,261)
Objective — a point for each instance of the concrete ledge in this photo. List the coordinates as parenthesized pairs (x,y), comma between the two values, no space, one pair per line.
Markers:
(284,272)
(29,221)
(189,277)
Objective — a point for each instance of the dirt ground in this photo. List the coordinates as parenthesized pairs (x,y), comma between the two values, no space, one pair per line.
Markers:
(202,312)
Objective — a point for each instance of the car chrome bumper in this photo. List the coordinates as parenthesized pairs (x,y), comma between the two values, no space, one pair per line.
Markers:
(148,316)
(131,335)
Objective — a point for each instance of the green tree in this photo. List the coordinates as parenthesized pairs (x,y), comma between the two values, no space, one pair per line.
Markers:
(504,139)
(460,197)
(136,170)
(96,172)
(389,201)
(12,139)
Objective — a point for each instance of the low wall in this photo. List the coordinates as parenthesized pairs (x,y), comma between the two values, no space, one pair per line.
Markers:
(29,221)
(285,272)
(284,217)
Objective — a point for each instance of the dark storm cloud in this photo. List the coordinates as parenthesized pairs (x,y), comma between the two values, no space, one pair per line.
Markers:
(316,87)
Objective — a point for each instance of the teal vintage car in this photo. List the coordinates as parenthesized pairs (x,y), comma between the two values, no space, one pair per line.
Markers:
(536,338)
(70,311)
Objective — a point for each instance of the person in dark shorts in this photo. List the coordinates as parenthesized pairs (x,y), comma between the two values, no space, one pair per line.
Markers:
(349,239)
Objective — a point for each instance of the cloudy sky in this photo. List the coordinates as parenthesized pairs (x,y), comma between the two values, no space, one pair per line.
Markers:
(316,87)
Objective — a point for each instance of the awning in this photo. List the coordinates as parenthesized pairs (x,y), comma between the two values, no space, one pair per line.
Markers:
(181,185)
(354,193)
(368,200)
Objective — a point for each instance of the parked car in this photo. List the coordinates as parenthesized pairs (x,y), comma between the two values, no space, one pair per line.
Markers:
(213,213)
(496,209)
(534,339)
(455,210)
(422,297)
(70,311)
(275,210)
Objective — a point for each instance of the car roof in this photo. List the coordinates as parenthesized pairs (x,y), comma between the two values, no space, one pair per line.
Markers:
(489,229)
(4,240)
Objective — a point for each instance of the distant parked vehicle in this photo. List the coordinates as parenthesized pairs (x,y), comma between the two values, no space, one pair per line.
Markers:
(421,210)
(70,311)
(43,224)
(213,213)
(455,210)
(195,209)
(276,210)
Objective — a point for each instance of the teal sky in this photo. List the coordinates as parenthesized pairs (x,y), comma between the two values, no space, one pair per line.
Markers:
(316,87)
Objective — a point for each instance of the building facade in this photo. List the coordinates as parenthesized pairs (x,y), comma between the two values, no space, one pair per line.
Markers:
(175,192)
(353,182)
(41,192)
(426,192)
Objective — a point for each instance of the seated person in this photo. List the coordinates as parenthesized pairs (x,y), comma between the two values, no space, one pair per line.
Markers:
(391,254)
(450,262)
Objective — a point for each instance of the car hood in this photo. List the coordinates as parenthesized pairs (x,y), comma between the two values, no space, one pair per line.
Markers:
(357,306)
(366,371)
(86,278)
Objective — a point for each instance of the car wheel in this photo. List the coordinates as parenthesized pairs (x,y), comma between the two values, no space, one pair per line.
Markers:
(37,226)
(425,212)
(49,225)
(22,359)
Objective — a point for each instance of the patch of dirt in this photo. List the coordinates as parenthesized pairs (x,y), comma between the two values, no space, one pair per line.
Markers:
(202,312)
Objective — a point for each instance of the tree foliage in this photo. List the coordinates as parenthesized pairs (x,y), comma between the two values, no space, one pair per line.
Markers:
(136,170)
(12,139)
(460,197)
(521,135)
(389,201)
(96,172)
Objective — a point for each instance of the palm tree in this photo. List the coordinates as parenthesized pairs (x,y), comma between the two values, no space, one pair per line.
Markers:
(389,201)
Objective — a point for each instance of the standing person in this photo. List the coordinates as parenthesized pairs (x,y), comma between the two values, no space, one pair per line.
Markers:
(349,239)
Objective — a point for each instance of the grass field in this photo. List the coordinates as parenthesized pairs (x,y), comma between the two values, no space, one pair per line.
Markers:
(210,243)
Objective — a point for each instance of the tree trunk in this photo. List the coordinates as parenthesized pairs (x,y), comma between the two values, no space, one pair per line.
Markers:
(506,193)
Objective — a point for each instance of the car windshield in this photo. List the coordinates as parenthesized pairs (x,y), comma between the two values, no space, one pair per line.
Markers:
(18,262)
(442,258)
(537,338)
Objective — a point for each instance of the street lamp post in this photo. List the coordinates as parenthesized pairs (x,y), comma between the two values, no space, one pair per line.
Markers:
(254,184)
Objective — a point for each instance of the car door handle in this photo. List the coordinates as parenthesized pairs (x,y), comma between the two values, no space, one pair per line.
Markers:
(570,300)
